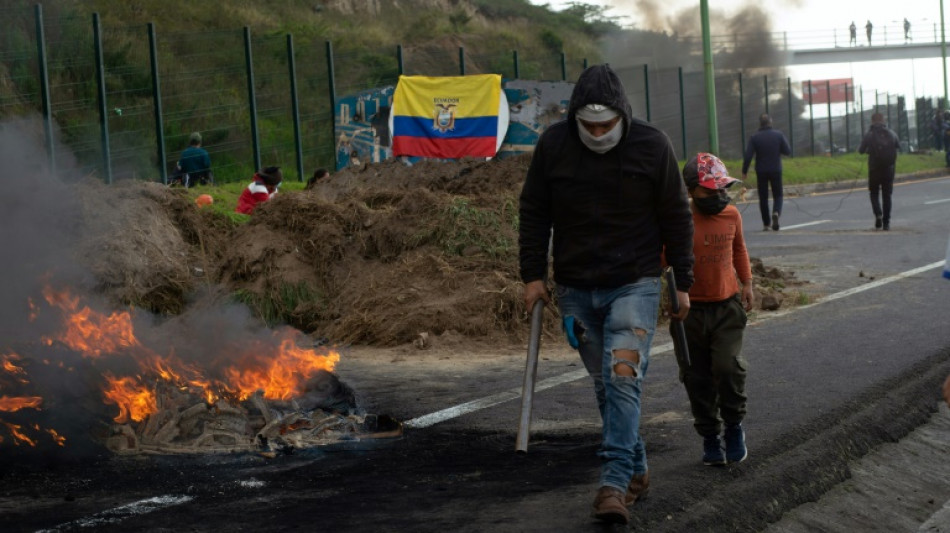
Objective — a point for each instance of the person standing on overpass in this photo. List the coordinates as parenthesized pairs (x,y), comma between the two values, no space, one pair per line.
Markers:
(868,27)
(854,34)
(767,146)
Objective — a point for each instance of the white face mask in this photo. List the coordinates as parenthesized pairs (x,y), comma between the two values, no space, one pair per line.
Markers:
(603,143)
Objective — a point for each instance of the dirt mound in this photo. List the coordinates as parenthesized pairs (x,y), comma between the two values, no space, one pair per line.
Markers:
(146,244)
(381,253)
(384,254)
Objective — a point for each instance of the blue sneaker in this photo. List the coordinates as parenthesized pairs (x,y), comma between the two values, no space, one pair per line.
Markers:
(712,451)
(736,451)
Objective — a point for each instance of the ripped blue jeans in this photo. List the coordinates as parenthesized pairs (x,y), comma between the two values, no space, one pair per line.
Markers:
(597,323)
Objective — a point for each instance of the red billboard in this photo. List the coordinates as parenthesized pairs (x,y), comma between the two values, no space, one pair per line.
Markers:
(820,90)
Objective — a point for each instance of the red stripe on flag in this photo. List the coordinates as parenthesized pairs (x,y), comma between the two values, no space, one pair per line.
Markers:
(444,148)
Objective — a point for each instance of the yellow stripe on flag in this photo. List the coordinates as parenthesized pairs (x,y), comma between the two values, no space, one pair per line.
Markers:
(472,96)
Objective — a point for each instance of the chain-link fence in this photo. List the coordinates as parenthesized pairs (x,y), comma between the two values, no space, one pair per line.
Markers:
(124,100)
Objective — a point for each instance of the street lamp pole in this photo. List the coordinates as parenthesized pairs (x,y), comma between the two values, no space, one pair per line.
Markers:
(710,79)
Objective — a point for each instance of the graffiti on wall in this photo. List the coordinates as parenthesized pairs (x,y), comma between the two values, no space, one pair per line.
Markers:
(361,127)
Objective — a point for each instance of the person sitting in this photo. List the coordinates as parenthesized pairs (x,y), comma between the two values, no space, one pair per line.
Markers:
(319,175)
(195,163)
(263,188)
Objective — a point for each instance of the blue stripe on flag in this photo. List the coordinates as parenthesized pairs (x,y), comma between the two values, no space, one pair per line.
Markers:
(463,127)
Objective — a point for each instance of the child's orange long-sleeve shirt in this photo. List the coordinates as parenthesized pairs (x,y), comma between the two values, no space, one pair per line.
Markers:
(721,256)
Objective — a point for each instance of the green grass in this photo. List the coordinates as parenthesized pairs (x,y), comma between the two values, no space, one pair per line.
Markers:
(840,168)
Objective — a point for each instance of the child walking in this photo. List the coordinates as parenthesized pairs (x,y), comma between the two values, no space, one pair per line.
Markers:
(715,379)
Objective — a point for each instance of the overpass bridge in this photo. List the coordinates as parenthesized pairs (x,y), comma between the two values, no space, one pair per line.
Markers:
(835,46)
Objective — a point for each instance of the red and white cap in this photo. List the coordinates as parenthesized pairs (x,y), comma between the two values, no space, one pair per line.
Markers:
(707,170)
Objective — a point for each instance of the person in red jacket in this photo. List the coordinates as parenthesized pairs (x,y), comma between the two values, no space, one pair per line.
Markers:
(719,298)
(263,188)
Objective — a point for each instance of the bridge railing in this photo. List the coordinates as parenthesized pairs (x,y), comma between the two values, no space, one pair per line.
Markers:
(890,34)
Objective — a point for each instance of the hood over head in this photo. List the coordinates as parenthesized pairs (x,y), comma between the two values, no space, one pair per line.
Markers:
(599,84)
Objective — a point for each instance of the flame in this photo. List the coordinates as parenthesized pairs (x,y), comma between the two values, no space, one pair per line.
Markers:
(34,310)
(15,403)
(89,332)
(18,436)
(135,400)
(281,375)
(57,438)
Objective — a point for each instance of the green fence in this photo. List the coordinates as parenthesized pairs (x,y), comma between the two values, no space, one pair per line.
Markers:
(124,100)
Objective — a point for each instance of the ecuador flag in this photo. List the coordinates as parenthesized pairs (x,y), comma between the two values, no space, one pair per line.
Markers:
(446,117)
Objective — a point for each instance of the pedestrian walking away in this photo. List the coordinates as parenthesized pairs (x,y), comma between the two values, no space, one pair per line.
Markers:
(609,187)
(868,27)
(767,146)
(854,34)
(907,37)
(881,145)
(716,373)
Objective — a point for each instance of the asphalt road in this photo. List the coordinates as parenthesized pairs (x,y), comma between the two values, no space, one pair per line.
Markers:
(828,383)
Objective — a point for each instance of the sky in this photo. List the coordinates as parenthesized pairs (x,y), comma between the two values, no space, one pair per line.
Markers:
(805,19)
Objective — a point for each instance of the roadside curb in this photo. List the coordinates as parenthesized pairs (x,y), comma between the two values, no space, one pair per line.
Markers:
(811,466)
(751,194)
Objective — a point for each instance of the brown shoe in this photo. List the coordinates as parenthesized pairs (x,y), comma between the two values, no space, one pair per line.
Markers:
(638,489)
(609,506)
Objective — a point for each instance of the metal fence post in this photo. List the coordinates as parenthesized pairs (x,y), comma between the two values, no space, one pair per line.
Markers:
(683,113)
(43,68)
(847,121)
(331,80)
(514,59)
(402,69)
(741,113)
(563,66)
(646,90)
(157,104)
(252,97)
(811,119)
(861,113)
(103,115)
(831,135)
(295,104)
(461,60)
(765,81)
(791,121)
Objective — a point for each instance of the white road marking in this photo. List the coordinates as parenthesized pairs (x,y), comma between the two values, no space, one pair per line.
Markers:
(937,201)
(796,226)
(511,394)
(111,516)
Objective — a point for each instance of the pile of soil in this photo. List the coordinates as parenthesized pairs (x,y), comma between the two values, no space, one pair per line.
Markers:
(385,254)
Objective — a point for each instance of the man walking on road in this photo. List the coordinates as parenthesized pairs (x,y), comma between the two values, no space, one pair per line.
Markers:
(767,146)
(610,188)
(881,145)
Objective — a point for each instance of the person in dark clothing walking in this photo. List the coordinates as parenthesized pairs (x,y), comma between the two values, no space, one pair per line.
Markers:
(881,144)
(854,34)
(609,187)
(868,28)
(767,146)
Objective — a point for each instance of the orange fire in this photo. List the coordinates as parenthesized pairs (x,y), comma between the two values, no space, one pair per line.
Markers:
(280,375)
(135,400)
(89,332)
(15,403)
(18,435)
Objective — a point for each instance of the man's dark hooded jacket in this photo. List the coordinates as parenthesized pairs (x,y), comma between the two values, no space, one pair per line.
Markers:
(612,213)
